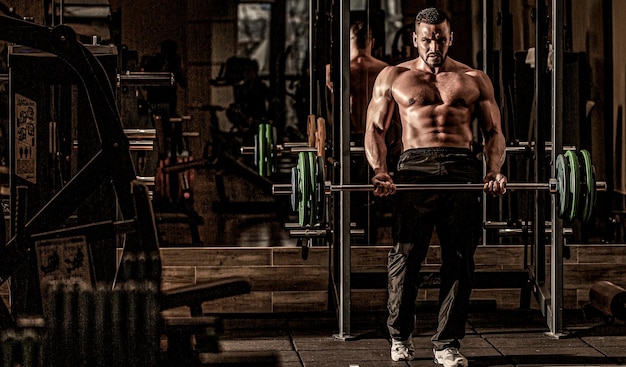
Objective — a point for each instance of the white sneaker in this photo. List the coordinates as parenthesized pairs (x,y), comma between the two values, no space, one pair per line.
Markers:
(402,350)
(450,357)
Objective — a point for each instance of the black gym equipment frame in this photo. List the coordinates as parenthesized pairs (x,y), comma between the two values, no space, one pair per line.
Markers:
(112,162)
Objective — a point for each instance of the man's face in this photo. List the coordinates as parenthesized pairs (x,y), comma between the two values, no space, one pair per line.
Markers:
(432,42)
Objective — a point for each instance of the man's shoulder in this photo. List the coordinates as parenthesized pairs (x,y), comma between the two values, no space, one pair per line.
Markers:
(409,64)
(379,64)
(369,63)
(480,77)
(394,71)
(459,67)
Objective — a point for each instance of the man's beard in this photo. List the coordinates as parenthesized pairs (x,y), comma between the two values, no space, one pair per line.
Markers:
(441,57)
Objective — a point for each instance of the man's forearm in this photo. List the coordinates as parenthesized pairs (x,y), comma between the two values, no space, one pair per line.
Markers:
(495,153)
(376,152)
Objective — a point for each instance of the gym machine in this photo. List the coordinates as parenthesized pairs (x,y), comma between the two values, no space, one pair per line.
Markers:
(55,250)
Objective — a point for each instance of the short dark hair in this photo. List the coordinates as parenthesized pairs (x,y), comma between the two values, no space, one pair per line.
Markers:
(431,16)
(361,32)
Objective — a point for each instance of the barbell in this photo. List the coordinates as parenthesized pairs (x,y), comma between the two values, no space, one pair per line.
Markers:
(575,187)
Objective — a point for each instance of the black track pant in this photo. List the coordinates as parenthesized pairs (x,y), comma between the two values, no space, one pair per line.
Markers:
(456,215)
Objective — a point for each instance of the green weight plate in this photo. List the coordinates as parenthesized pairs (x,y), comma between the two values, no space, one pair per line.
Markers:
(310,184)
(300,168)
(319,189)
(304,186)
(562,188)
(574,180)
(294,188)
(269,153)
(588,191)
(582,194)
(313,196)
(257,144)
(262,149)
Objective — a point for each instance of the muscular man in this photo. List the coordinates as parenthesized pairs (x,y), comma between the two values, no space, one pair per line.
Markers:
(437,99)
(363,71)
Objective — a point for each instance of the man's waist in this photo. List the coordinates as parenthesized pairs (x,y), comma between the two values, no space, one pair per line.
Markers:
(439,150)
(452,163)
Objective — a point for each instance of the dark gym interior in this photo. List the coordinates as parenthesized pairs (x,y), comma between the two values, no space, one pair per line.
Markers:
(175,183)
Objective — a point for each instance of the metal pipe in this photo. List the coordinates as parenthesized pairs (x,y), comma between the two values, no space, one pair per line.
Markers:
(156,79)
(345,299)
(280,150)
(487,13)
(312,59)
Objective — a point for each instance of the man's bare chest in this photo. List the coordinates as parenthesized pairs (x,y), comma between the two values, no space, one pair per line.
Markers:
(417,90)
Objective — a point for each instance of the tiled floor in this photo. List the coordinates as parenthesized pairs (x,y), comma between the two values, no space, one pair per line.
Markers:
(499,338)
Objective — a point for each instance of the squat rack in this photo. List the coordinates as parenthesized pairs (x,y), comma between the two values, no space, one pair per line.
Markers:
(547,291)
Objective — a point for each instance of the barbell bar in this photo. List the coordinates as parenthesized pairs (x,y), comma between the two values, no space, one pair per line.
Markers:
(575,187)
(281,149)
(522,148)
(286,189)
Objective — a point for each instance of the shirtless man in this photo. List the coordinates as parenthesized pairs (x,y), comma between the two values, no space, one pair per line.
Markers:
(437,98)
(363,71)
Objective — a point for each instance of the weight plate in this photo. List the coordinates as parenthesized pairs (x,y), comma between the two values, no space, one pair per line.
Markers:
(304,175)
(308,194)
(320,135)
(313,196)
(574,180)
(301,200)
(583,194)
(269,153)
(257,146)
(262,149)
(294,189)
(319,189)
(562,185)
(311,130)
(588,190)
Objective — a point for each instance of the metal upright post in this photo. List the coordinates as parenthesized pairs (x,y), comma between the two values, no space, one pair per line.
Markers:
(312,58)
(344,209)
(542,94)
(486,52)
(555,311)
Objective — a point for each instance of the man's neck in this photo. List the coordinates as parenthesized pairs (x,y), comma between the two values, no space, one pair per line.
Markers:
(423,66)
(357,54)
